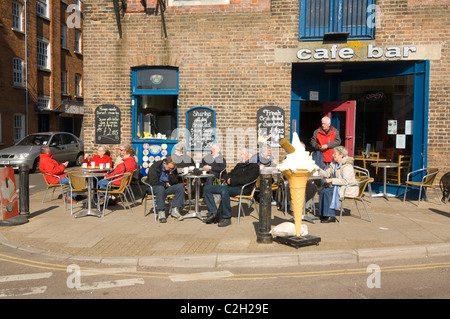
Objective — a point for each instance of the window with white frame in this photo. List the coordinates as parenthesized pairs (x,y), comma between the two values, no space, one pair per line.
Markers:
(43,53)
(19,127)
(17,16)
(43,102)
(17,72)
(77,41)
(42,8)
(63,36)
(78,85)
(63,82)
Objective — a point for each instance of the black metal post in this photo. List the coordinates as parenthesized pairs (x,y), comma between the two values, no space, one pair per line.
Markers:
(263,235)
(24,190)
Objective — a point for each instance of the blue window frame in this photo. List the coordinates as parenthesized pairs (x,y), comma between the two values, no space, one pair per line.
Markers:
(318,17)
(155,103)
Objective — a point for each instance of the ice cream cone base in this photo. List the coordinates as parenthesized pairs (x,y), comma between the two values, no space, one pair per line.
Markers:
(301,241)
(297,185)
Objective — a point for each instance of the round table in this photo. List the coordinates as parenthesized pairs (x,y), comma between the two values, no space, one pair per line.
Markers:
(89,176)
(197,183)
(384,166)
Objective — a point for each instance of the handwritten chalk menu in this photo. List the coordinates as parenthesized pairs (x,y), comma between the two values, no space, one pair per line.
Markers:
(107,124)
(270,122)
(200,126)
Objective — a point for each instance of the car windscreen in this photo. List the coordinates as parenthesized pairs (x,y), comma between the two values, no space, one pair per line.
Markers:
(36,140)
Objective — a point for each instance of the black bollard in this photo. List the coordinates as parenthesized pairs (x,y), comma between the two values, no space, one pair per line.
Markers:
(24,190)
(263,235)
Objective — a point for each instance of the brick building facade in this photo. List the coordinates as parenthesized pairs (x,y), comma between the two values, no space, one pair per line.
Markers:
(237,56)
(34,58)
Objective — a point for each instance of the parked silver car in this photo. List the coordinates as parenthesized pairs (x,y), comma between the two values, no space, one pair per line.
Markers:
(64,147)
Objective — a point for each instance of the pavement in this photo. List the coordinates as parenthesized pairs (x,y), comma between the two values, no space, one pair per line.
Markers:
(398,230)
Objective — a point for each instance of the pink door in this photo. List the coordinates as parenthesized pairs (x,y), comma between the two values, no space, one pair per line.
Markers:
(342,115)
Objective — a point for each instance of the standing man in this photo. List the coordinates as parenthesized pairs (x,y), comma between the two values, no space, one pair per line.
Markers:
(163,178)
(243,173)
(324,139)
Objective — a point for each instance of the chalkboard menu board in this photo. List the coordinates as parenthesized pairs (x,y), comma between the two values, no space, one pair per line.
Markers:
(107,124)
(201,128)
(270,122)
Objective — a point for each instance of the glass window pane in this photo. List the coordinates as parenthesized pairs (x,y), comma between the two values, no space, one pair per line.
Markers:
(156,79)
(384,115)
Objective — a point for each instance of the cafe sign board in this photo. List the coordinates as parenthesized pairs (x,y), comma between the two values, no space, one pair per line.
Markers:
(357,51)
(270,121)
(201,128)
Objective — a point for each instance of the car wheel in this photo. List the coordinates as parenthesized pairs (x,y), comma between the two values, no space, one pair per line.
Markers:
(79,160)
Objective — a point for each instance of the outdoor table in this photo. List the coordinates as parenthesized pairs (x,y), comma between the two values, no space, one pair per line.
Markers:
(89,177)
(196,179)
(384,166)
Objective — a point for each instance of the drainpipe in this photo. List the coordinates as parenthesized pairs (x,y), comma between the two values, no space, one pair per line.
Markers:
(26,71)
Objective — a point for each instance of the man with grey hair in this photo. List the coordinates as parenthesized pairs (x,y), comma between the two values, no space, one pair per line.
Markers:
(324,139)
(180,158)
(244,172)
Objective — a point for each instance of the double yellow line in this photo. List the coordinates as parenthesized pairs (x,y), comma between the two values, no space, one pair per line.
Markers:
(257,276)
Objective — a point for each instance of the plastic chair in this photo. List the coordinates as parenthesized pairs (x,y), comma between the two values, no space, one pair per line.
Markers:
(362,183)
(125,180)
(77,185)
(427,181)
(250,197)
(54,186)
(364,172)
(152,197)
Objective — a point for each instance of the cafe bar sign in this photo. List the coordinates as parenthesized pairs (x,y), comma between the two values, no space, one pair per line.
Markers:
(357,51)
(347,53)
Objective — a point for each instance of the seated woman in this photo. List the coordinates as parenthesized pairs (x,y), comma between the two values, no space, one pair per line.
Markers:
(128,165)
(339,173)
(100,158)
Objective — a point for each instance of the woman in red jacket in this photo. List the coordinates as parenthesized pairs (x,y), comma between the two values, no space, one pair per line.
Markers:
(100,158)
(128,165)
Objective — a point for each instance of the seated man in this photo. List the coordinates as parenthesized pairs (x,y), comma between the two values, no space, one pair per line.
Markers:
(180,159)
(164,179)
(50,166)
(214,163)
(243,173)
(264,158)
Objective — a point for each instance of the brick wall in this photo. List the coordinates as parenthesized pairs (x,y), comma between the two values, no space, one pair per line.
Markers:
(225,57)
(13,100)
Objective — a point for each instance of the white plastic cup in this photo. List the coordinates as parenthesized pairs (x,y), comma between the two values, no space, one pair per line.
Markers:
(84,165)
(93,164)
(204,172)
(186,170)
(102,166)
(197,165)
(108,165)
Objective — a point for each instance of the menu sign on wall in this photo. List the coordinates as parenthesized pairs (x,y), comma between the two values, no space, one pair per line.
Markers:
(270,122)
(200,126)
(107,124)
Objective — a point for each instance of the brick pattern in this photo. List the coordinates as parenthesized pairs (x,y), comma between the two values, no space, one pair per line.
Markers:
(39,82)
(226,58)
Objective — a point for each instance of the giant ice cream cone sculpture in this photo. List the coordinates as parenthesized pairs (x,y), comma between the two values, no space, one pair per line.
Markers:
(297,168)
